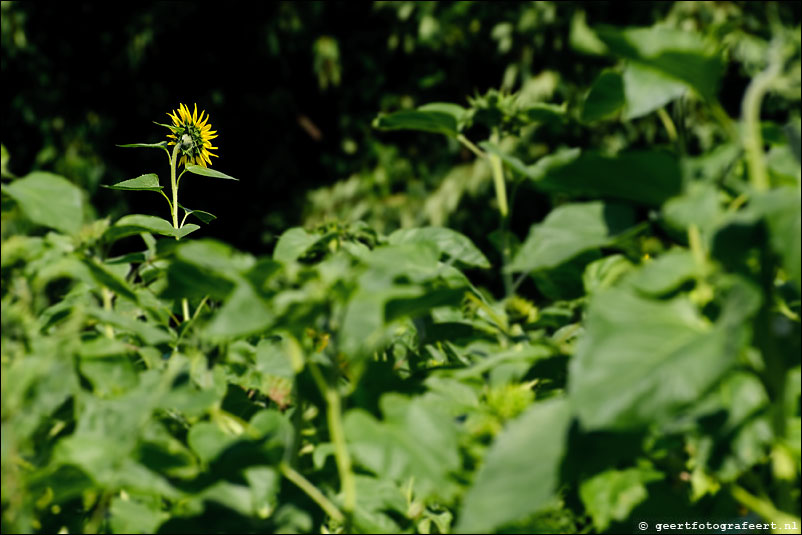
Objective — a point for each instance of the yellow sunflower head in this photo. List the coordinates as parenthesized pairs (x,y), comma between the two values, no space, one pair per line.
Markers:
(194,133)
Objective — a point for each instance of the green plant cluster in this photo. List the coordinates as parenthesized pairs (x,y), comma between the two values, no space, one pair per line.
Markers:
(359,380)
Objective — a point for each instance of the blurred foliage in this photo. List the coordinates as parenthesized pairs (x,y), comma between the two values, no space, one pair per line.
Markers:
(491,267)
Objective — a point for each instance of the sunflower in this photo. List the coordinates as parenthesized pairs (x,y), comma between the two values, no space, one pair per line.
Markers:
(195,135)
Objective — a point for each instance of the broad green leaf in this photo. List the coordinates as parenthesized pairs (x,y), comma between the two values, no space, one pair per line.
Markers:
(520,472)
(416,439)
(646,90)
(665,273)
(613,494)
(293,243)
(438,122)
(48,200)
(208,441)
(206,171)
(243,313)
(450,243)
(605,99)
(215,256)
(640,360)
(127,515)
(137,223)
(148,182)
(568,231)
(605,272)
(645,177)
(679,54)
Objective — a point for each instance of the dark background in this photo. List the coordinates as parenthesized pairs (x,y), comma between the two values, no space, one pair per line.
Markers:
(79,78)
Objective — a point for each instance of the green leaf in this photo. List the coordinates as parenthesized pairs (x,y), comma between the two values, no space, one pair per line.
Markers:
(646,177)
(437,122)
(512,484)
(137,223)
(613,494)
(416,439)
(205,217)
(106,277)
(208,441)
(132,516)
(450,243)
(160,145)
(48,200)
(148,182)
(568,231)
(460,114)
(783,211)
(205,171)
(243,313)
(665,273)
(679,54)
(605,99)
(640,360)
(293,243)
(647,90)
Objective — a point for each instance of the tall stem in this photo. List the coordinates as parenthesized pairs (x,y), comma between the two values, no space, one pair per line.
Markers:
(750,110)
(174,184)
(174,214)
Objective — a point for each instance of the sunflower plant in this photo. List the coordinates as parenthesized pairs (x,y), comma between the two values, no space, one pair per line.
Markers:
(191,138)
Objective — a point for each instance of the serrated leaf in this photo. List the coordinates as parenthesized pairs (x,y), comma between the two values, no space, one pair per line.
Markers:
(205,171)
(148,182)
(48,200)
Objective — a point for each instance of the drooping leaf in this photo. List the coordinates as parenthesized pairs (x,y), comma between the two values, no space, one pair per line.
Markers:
(206,171)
